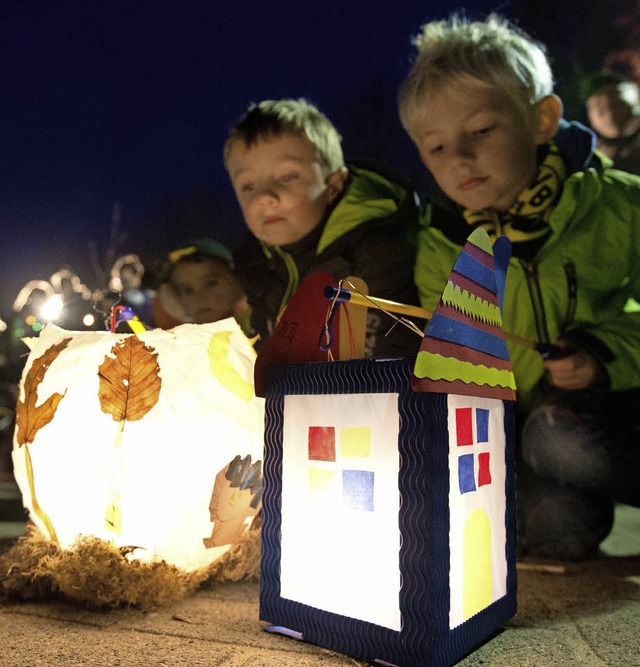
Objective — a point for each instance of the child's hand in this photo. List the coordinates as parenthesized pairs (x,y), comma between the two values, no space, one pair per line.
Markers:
(574,368)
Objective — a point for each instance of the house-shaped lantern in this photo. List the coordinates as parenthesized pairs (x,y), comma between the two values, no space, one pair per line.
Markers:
(150,440)
(389,487)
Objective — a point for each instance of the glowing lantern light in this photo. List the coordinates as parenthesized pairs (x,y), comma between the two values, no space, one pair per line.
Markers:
(389,509)
(129,437)
(51,308)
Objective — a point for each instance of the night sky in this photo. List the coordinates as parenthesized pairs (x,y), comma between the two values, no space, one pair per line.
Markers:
(106,101)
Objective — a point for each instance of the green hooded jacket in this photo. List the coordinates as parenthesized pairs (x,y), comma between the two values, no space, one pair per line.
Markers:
(582,285)
(370,233)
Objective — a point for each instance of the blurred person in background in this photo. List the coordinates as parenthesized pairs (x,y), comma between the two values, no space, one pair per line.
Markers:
(200,286)
(613,110)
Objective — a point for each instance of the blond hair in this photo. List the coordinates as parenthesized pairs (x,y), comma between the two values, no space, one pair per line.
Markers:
(454,51)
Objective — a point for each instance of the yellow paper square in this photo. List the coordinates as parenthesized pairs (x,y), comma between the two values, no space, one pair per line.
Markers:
(355,441)
(320,482)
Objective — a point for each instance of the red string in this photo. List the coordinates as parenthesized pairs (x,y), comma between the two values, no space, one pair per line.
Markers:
(114,317)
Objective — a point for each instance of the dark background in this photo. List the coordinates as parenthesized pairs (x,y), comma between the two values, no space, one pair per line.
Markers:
(125,106)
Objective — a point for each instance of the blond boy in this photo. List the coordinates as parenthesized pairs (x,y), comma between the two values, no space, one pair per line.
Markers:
(480,107)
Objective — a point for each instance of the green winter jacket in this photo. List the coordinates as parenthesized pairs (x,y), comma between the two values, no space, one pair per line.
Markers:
(577,286)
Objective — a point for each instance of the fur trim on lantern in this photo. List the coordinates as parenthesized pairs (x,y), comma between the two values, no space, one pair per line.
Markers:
(102,576)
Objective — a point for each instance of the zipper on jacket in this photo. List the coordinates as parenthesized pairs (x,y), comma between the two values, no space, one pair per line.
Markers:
(531,274)
(572,292)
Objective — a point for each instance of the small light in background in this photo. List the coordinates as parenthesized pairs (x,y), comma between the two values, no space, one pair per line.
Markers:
(52,308)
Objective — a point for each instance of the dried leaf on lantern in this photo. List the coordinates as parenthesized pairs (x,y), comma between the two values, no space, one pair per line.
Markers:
(30,418)
(129,380)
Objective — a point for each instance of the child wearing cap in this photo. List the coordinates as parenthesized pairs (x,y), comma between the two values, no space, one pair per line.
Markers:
(200,286)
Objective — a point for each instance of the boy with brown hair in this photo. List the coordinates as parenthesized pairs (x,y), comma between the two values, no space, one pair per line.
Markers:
(308,211)
(479,105)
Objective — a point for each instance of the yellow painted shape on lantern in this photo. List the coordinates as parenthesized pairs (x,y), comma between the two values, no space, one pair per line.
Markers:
(436,367)
(113,513)
(355,441)
(40,513)
(471,305)
(477,577)
(221,367)
(320,482)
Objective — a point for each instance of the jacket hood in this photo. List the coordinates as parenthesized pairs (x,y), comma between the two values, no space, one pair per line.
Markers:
(372,192)
(576,144)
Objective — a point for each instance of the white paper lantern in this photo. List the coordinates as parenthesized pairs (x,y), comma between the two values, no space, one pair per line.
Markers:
(131,438)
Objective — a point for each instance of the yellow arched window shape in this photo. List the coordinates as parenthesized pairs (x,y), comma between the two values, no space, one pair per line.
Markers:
(477,576)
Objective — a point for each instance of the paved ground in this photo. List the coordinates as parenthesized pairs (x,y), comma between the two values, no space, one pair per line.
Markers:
(588,616)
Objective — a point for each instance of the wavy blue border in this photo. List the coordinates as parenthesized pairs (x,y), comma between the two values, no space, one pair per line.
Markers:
(425,638)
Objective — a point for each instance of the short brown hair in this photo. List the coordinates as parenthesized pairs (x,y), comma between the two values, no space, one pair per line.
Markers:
(271,118)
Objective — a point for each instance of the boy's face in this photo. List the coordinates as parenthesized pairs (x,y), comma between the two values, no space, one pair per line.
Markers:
(478,145)
(281,187)
(611,109)
(207,291)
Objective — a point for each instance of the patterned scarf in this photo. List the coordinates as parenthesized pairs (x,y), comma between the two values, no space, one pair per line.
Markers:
(528,219)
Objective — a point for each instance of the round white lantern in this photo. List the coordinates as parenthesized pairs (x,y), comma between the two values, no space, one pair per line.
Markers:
(150,440)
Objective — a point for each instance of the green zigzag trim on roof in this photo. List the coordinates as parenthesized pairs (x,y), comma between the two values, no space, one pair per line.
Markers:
(471,305)
(436,367)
